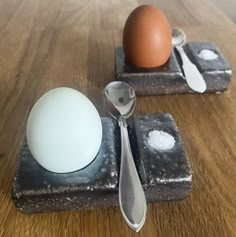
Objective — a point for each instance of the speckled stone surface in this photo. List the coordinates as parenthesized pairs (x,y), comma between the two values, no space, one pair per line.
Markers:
(169,78)
(217,73)
(164,175)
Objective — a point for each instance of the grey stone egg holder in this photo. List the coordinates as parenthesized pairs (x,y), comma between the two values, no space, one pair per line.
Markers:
(169,78)
(165,175)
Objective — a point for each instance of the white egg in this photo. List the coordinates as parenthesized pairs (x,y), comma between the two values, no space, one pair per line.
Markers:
(64,130)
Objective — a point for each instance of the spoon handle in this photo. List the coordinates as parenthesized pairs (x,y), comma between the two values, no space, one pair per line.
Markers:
(193,77)
(131,195)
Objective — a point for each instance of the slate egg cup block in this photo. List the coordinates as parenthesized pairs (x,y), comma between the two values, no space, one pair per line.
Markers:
(164,175)
(169,78)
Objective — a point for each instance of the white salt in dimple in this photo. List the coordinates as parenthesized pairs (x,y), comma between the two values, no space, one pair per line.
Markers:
(160,140)
(207,54)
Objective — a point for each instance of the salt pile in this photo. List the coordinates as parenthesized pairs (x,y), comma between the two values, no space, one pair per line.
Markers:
(207,54)
(160,140)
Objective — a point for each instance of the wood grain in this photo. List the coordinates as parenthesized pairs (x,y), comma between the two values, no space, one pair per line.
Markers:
(46,44)
(228,7)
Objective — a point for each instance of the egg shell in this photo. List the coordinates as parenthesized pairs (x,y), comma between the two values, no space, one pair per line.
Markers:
(147,37)
(64,130)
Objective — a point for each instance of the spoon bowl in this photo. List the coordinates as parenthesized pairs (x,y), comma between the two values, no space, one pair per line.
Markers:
(120,99)
(178,37)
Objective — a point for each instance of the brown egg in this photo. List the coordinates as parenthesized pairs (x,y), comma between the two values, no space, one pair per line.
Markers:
(147,37)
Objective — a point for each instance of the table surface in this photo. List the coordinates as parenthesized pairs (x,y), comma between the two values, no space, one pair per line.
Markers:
(47,44)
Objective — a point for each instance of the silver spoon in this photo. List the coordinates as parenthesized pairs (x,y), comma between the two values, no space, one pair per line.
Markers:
(120,100)
(193,77)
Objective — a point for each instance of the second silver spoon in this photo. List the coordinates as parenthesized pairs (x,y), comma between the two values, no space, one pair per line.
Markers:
(193,77)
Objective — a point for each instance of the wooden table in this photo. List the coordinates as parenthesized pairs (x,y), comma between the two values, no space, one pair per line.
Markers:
(47,44)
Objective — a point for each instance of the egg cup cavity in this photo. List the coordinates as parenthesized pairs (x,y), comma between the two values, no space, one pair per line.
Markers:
(169,78)
(165,175)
